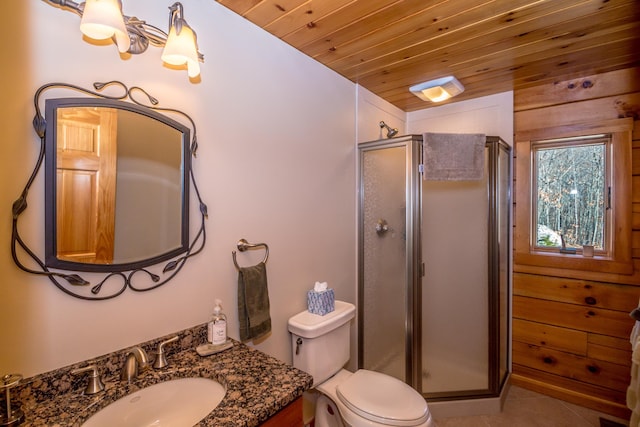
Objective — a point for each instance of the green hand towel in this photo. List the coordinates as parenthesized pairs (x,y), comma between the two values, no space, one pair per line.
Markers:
(253,302)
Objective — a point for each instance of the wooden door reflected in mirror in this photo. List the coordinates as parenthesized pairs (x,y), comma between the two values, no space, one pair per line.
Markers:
(86,184)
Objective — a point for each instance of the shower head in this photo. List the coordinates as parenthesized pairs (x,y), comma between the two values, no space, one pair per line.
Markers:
(390,132)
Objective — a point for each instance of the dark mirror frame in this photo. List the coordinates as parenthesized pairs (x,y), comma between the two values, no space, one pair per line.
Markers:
(51,232)
(118,277)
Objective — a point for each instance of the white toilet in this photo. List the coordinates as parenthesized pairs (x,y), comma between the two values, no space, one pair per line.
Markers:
(361,399)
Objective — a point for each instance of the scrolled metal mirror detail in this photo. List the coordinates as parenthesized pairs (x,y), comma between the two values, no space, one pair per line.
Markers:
(117,181)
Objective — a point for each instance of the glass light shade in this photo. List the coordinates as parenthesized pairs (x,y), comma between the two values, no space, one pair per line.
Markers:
(102,19)
(436,94)
(438,90)
(181,49)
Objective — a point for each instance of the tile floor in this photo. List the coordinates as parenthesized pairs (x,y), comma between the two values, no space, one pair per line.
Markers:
(524,408)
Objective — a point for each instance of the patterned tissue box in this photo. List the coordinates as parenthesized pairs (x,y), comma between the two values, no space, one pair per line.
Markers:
(321,302)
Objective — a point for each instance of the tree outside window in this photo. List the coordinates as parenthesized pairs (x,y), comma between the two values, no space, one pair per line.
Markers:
(571,192)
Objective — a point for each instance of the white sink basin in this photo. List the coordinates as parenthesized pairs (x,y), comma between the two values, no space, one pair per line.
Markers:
(179,402)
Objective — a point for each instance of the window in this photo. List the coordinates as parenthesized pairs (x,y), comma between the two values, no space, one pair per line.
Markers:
(570,193)
(573,183)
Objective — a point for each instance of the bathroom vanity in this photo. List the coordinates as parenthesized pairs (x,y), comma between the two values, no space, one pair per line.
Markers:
(259,388)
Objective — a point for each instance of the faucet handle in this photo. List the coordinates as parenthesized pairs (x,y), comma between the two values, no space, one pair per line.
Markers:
(95,384)
(161,359)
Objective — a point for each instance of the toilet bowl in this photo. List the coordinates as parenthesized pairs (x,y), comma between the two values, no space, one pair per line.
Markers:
(365,398)
(372,399)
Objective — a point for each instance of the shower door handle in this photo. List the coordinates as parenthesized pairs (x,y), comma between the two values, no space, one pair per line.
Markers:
(382,227)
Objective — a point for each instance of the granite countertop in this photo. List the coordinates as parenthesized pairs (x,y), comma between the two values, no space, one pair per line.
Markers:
(257,385)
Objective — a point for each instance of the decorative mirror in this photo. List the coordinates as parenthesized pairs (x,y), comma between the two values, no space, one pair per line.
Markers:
(117,189)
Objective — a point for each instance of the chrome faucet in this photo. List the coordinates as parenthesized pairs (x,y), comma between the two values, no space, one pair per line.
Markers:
(136,362)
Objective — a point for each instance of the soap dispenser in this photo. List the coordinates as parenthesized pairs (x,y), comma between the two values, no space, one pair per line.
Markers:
(217,327)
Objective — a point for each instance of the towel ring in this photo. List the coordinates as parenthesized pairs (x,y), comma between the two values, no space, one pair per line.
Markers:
(243,245)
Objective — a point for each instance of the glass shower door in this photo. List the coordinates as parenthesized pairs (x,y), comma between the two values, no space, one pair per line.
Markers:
(455,295)
(388,258)
(466,287)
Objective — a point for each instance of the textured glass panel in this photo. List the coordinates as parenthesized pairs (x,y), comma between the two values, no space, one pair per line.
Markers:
(504,250)
(385,287)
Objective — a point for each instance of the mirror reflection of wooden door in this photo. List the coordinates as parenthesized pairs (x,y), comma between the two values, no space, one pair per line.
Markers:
(86,184)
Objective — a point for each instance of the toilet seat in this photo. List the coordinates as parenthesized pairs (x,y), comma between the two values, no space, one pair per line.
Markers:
(382,399)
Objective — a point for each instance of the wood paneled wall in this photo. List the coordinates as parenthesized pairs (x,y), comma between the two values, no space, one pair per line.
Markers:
(571,329)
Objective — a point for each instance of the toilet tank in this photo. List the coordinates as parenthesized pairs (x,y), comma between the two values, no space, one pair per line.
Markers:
(320,344)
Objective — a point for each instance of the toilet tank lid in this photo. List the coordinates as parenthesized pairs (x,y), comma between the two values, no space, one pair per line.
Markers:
(309,325)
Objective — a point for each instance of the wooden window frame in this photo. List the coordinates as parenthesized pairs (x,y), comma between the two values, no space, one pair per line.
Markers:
(619,260)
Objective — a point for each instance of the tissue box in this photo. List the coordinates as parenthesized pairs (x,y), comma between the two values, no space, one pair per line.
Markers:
(321,302)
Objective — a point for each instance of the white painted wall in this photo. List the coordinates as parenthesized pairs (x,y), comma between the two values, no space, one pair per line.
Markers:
(371,110)
(276,164)
(491,115)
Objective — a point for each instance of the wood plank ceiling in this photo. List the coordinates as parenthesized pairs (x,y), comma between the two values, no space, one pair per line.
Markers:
(491,46)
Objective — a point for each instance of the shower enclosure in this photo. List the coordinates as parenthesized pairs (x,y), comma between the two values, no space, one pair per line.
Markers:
(434,282)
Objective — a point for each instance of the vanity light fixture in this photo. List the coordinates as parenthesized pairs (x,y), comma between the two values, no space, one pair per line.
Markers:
(438,90)
(103,19)
(181,48)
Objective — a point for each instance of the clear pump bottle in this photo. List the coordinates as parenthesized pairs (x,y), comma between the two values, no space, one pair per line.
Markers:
(217,327)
